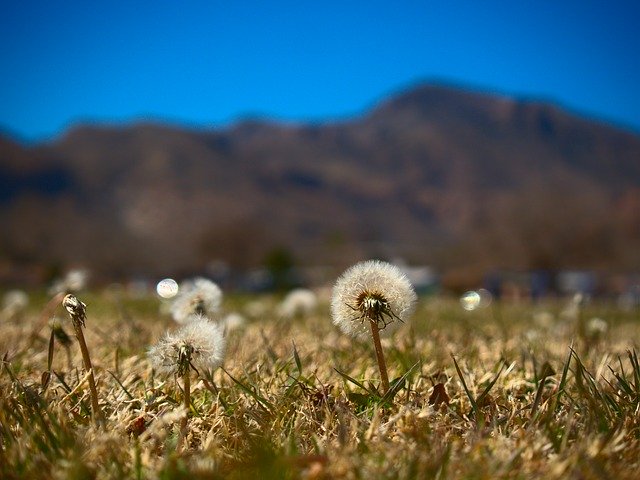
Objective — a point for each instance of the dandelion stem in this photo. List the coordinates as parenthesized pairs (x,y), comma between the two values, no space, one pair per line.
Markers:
(186,379)
(95,407)
(77,313)
(379,355)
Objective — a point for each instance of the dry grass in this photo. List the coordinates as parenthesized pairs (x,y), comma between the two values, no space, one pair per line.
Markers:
(298,400)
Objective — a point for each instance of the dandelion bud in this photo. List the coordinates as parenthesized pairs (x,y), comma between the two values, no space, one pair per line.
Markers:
(77,310)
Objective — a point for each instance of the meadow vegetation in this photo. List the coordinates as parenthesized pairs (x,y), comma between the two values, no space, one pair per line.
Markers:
(508,391)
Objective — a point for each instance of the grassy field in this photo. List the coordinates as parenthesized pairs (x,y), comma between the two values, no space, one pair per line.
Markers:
(510,391)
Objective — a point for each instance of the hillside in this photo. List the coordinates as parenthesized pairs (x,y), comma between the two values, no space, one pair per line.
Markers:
(461,180)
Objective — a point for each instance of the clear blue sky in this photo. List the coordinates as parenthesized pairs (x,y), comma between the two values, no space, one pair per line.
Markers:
(211,62)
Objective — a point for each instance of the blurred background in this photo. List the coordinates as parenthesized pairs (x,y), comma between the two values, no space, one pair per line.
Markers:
(271,144)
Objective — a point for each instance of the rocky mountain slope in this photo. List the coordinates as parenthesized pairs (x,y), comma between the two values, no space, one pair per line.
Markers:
(461,180)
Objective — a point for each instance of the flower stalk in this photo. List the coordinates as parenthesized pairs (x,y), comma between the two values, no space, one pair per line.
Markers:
(382,365)
(372,299)
(198,346)
(184,370)
(78,313)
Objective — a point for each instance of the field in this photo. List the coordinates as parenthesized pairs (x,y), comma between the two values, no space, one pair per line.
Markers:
(509,391)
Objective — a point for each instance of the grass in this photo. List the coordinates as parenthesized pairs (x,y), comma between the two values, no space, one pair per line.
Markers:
(512,391)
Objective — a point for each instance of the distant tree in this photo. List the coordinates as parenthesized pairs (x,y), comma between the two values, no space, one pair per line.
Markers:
(280,263)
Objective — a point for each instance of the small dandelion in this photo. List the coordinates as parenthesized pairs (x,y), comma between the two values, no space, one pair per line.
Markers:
(197,297)
(372,296)
(198,345)
(596,328)
(73,282)
(233,321)
(298,302)
(258,308)
(14,303)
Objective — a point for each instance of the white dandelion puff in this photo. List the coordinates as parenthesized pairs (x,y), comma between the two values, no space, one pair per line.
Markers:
(14,303)
(197,297)
(73,282)
(258,308)
(199,344)
(234,321)
(298,302)
(597,327)
(372,289)
(373,297)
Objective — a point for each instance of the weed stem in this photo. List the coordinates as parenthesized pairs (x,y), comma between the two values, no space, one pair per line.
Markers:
(77,313)
(379,355)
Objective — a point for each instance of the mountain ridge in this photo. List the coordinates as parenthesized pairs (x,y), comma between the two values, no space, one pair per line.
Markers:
(458,179)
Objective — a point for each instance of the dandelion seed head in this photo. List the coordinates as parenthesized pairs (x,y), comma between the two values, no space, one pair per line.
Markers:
(233,321)
(258,308)
(199,343)
(73,282)
(300,301)
(197,297)
(371,289)
(596,327)
(14,302)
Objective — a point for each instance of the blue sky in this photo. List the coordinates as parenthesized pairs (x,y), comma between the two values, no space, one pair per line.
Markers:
(209,63)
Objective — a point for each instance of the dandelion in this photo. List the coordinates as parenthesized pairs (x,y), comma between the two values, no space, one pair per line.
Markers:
(78,313)
(197,297)
(372,296)
(74,281)
(596,328)
(14,303)
(233,321)
(258,308)
(198,345)
(298,302)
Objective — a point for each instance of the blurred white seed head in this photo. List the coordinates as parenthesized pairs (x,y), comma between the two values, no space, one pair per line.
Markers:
(14,302)
(197,297)
(73,282)
(233,321)
(543,319)
(199,343)
(259,307)
(300,301)
(596,327)
(371,289)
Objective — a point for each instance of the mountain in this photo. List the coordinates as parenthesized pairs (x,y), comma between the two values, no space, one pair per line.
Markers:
(463,180)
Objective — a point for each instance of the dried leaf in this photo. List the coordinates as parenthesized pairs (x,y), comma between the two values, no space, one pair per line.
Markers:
(439,396)
(136,426)
(546,370)
(44,379)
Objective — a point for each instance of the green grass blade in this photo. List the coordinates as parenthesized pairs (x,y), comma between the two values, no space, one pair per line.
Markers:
(296,357)
(474,405)
(355,382)
(263,402)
